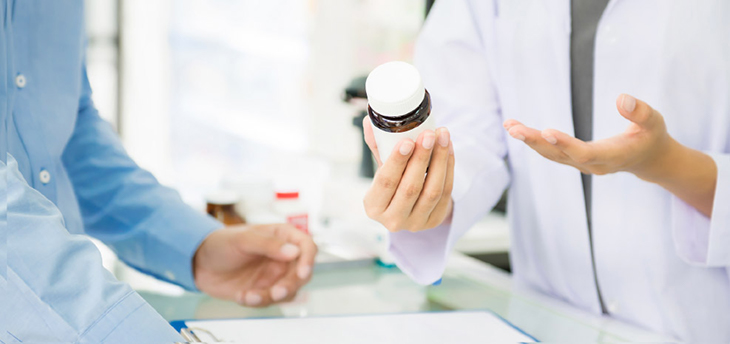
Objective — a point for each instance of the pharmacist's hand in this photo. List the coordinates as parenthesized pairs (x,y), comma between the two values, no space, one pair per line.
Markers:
(639,149)
(403,196)
(254,265)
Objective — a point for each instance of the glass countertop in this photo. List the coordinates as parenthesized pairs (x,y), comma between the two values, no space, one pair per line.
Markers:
(467,284)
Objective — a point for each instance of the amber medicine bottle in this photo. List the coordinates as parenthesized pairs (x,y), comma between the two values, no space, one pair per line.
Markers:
(222,206)
(398,105)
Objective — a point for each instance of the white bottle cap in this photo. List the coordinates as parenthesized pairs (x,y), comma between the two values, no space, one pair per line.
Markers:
(394,89)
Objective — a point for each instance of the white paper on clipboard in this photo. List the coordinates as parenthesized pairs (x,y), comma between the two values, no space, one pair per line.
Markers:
(423,328)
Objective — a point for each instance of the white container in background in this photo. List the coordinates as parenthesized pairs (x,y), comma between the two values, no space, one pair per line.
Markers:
(256,194)
(291,209)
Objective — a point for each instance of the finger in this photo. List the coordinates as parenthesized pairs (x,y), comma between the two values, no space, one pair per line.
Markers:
(286,286)
(433,187)
(411,185)
(510,123)
(290,298)
(387,178)
(367,130)
(578,150)
(636,110)
(266,275)
(304,241)
(587,155)
(254,298)
(443,208)
(533,138)
(259,293)
(249,241)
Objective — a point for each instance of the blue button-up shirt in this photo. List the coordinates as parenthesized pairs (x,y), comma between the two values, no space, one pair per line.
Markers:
(66,173)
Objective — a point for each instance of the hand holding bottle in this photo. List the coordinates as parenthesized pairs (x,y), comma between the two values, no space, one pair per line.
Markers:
(403,196)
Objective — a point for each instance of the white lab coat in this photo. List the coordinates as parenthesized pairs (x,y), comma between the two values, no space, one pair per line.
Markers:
(660,263)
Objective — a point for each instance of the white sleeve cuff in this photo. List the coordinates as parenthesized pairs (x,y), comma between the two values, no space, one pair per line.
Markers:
(422,255)
(700,240)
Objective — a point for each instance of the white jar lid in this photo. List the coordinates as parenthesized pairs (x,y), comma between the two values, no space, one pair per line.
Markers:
(394,89)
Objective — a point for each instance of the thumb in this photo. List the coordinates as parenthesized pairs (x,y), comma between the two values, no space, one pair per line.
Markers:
(636,110)
(367,130)
(252,242)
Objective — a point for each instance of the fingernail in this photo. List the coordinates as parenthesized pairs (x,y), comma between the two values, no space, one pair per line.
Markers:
(289,250)
(304,271)
(628,103)
(428,140)
(406,147)
(550,138)
(444,138)
(239,297)
(278,293)
(451,149)
(252,299)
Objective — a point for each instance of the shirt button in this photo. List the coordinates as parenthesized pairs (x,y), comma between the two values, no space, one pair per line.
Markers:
(170,276)
(612,307)
(20,81)
(45,176)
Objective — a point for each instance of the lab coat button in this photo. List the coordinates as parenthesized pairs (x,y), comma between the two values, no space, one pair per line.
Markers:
(20,81)
(170,276)
(44,176)
(612,307)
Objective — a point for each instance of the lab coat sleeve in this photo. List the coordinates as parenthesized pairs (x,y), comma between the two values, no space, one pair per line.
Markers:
(454,55)
(700,240)
(55,289)
(145,223)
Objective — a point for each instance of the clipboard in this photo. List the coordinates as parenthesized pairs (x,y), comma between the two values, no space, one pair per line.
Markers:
(464,326)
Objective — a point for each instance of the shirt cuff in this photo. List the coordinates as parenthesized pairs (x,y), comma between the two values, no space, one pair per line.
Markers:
(700,240)
(131,320)
(422,255)
(175,235)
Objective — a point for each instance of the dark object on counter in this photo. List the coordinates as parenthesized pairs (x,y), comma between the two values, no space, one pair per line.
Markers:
(225,213)
(222,206)
(356,90)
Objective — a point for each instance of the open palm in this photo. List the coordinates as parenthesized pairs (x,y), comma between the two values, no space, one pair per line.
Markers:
(634,150)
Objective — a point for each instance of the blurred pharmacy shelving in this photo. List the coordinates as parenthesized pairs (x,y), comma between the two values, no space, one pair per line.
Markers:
(216,88)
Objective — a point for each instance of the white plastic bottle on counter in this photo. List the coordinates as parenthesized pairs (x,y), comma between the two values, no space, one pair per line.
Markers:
(398,105)
(257,196)
(290,208)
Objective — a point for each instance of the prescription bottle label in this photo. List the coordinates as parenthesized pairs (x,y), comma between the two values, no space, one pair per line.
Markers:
(300,221)
(387,141)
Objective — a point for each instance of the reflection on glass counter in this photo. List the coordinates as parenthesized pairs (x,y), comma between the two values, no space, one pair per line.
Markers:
(467,285)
